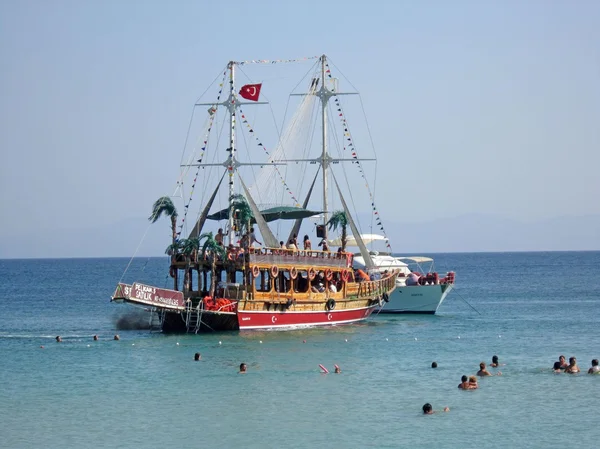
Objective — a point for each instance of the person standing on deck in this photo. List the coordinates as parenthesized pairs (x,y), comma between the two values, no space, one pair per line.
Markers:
(252,237)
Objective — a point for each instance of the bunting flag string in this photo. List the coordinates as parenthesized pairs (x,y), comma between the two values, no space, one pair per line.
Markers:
(275,61)
(349,145)
(259,143)
(211,113)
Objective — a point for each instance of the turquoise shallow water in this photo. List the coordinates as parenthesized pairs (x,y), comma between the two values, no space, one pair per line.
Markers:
(146,391)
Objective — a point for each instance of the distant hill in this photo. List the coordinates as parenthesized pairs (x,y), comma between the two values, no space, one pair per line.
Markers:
(467,233)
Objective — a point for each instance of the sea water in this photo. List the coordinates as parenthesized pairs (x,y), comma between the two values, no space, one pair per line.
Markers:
(146,391)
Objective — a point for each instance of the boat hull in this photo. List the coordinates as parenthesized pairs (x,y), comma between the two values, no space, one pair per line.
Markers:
(418,299)
(291,319)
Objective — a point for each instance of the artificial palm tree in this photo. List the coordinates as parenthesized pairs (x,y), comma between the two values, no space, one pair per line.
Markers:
(339,219)
(242,211)
(211,250)
(165,206)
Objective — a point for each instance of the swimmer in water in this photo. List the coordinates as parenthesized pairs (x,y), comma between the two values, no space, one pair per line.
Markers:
(556,368)
(595,369)
(197,356)
(563,362)
(95,338)
(473,383)
(337,370)
(243,368)
(495,363)
(464,383)
(116,337)
(482,371)
(58,339)
(572,368)
(428,409)
(434,364)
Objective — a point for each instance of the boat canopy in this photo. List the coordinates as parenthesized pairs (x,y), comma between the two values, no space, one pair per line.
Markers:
(272,214)
(351,241)
(417,259)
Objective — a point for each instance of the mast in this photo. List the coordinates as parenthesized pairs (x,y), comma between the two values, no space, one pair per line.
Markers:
(231,106)
(324,97)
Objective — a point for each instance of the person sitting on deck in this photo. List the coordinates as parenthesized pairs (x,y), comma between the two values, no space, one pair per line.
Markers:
(291,245)
(318,286)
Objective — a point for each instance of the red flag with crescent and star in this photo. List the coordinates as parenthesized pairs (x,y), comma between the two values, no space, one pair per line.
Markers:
(250,91)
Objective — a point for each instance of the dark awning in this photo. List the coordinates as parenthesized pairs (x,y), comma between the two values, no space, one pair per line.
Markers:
(271,214)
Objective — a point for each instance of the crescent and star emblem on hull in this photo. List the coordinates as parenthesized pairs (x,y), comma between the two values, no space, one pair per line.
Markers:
(273,319)
(329,316)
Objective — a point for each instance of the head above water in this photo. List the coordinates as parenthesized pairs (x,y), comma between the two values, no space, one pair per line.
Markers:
(464,379)
(556,365)
(561,358)
(197,356)
(482,365)
(572,360)
(434,364)
(495,359)
(243,367)
(595,362)
(427,409)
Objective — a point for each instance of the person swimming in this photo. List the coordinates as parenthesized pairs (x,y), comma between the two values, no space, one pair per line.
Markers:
(595,369)
(243,368)
(58,339)
(482,371)
(337,369)
(557,368)
(197,356)
(572,368)
(434,364)
(495,363)
(464,383)
(563,362)
(473,383)
(428,409)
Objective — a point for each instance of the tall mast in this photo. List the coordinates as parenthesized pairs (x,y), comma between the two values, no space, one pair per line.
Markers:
(324,95)
(231,160)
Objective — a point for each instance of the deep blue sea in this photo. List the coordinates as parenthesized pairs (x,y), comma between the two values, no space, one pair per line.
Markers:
(145,391)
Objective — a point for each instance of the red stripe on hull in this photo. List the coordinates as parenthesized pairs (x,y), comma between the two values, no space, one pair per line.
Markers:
(274,320)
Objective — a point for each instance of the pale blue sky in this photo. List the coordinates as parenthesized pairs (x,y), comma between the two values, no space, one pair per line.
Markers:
(478,106)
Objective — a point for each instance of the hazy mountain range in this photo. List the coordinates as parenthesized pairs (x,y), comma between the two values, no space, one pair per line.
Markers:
(467,233)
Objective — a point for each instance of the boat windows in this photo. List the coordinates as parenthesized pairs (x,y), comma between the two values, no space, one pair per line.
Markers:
(301,283)
(283,282)
(262,283)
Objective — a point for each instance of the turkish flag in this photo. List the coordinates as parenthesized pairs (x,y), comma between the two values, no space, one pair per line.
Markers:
(250,91)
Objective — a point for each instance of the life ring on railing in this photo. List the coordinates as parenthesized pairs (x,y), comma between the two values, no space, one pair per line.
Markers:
(386,297)
(328,274)
(255,271)
(311,273)
(172,272)
(274,270)
(330,304)
(345,275)
(293,273)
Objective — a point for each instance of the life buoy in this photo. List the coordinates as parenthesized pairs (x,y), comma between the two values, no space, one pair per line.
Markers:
(386,297)
(311,273)
(330,304)
(255,271)
(172,272)
(293,273)
(345,275)
(328,274)
(274,270)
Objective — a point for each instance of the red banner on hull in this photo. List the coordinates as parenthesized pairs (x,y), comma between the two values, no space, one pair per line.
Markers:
(152,296)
